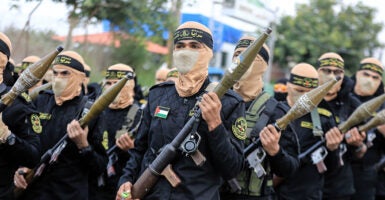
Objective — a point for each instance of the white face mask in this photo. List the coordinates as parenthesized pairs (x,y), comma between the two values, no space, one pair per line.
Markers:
(59,85)
(367,85)
(184,60)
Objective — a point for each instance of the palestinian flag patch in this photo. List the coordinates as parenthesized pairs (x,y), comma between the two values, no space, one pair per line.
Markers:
(239,128)
(161,112)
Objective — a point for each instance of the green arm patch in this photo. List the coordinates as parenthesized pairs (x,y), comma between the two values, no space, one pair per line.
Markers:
(36,124)
(239,128)
(307,125)
(324,112)
(26,97)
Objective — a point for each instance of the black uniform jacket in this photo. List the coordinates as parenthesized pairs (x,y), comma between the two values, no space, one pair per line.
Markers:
(339,183)
(307,182)
(221,148)
(67,178)
(113,119)
(25,150)
(283,164)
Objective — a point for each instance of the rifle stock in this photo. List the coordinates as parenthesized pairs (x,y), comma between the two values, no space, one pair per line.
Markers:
(150,176)
(100,104)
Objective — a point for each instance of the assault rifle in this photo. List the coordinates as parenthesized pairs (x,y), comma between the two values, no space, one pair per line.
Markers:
(51,155)
(111,153)
(151,175)
(255,154)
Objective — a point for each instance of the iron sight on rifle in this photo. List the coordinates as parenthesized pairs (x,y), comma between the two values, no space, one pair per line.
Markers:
(150,176)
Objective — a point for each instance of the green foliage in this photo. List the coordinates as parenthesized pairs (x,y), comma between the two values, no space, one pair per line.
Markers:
(135,17)
(327,26)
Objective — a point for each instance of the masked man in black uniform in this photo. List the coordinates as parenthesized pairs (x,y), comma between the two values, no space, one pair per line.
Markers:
(17,145)
(122,119)
(307,181)
(368,85)
(170,105)
(280,149)
(339,184)
(67,178)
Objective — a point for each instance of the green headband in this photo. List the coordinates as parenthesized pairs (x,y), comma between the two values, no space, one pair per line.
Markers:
(331,62)
(303,81)
(116,74)
(373,67)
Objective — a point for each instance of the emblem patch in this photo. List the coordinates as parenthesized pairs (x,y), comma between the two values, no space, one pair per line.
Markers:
(105,140)
(161,112)
(239,128)
(36,125)
(26,97)
(305,124)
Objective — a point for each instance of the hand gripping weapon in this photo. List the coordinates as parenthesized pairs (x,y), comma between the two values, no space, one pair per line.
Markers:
(150,176)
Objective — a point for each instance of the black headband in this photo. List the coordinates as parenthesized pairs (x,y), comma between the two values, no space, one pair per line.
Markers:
(303,81)
(116,74)
(246,43)
(69,62)
(87,73)
(335,62)
(5,48)
(373,67)
(193,34)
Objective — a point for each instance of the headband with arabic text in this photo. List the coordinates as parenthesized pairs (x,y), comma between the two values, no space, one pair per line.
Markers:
(193,34)
(244,43)
(116,74)
(326,62)
(69,62)
(373,67)
(303,81)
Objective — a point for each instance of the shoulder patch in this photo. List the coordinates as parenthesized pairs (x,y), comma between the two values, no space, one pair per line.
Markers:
(338,119)
(239,128)
(26,97)
(307,125)
(324,112)
(36,125)
(105,140)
